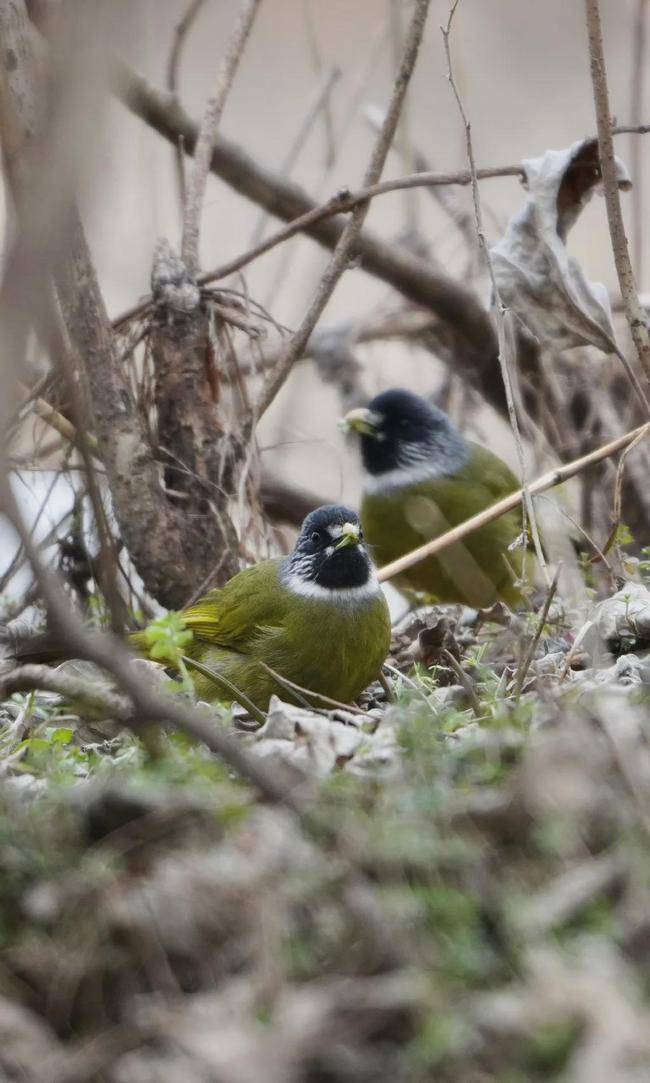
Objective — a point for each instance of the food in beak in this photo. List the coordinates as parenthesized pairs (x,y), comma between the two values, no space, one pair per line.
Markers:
(349,536)
(360,420)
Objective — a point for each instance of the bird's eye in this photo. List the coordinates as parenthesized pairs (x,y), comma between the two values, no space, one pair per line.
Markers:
(315,537)
(360,534)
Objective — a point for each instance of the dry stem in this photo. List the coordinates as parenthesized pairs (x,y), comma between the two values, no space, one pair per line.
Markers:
(633,310)
(207,131)
(506,353)
(180,36)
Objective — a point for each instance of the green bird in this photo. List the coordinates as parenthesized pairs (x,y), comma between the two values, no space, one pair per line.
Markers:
(317,618)
(423,477)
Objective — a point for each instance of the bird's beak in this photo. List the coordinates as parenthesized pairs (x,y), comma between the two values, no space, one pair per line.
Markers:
(361,420)
(349,536)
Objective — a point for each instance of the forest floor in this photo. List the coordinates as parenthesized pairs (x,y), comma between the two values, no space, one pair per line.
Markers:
(466,897)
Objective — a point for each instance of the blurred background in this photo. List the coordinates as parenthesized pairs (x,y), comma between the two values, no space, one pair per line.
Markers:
(524,77)
(522,71)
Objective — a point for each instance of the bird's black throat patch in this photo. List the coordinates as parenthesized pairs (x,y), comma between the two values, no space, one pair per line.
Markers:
(345,568)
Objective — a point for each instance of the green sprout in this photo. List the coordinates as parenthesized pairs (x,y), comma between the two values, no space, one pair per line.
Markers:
(167,639)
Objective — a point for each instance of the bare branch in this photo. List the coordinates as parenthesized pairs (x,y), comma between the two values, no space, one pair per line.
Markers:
(207,132)
(633,310)
(345,201)
(148,704)
(637,86)
(351,231)
(412,277)
(183,28)
(180,36)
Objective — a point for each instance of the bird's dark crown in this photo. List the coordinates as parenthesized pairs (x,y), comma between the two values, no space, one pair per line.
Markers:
(407,431)
(319,558)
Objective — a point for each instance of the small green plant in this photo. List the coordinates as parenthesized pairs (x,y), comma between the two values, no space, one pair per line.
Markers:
(623,535)
(167,639)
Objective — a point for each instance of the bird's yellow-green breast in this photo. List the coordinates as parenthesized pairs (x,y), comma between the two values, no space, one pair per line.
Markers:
(334,647)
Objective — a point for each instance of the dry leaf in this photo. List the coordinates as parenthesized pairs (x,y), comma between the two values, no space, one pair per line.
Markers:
(536,277)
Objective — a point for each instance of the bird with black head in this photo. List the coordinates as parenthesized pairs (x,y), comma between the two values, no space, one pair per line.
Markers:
(422,477)
(317,617)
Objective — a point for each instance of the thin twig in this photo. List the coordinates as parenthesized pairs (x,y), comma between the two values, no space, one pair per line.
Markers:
(443,194)
(633,310)
(505,339)
(345,201)
(148,704)
(183,27)
(495,511)
(637,85)
(525,662)
(164,113)
(464,680)
(180,36)
(225,685)
(57,421)
(327,700)
(207,132)
(349,236)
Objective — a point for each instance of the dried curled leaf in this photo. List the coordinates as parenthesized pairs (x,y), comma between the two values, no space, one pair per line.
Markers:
(536,277)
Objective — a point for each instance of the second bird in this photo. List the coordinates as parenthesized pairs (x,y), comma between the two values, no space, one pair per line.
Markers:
(422,477)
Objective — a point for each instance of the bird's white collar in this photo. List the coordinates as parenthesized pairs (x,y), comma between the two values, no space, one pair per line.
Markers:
(401,477)
(307,589)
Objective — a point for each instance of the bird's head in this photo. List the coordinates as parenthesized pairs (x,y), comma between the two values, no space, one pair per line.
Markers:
(399,430)
(330,552)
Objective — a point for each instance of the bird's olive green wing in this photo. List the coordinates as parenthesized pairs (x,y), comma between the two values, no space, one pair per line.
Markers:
(250,603)
(487,471)
(474,570)
(482,480)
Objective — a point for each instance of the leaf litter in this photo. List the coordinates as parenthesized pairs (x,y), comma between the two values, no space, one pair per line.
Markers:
(159,923)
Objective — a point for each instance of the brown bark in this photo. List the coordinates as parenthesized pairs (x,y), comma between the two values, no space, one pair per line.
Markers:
(151,529)
(200,459)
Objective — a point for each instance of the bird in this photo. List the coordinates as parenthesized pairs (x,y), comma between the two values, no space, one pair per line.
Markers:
(422,477)
(317,618)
